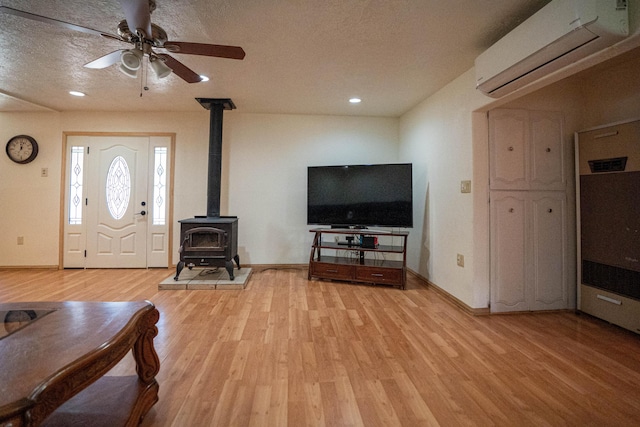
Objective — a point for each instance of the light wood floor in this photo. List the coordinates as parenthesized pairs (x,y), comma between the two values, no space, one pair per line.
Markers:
(289,352)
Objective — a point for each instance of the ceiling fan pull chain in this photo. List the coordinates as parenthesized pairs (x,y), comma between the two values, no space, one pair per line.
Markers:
(143,78)
(146,76)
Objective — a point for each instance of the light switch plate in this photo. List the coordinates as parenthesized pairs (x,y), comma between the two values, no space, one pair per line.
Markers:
(465,186)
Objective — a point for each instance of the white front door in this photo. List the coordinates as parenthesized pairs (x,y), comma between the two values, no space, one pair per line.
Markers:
(116,202)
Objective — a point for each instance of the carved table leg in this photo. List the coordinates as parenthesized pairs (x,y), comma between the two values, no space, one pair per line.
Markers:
(147,362)
(147,366)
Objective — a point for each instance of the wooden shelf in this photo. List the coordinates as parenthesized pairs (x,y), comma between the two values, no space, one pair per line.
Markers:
(110,401)
(379,248)
(361,267)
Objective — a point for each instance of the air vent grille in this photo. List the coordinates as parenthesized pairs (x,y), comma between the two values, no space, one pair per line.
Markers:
(617,164)
(619,280)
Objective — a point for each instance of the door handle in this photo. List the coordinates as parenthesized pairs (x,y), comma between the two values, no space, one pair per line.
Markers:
(143,213)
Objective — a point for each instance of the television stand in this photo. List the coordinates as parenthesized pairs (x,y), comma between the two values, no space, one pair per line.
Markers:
(358,268)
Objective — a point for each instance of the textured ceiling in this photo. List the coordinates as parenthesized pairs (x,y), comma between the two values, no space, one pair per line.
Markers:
(302,56)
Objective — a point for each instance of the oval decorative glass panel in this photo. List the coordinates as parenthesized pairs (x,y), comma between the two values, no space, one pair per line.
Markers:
(118,188)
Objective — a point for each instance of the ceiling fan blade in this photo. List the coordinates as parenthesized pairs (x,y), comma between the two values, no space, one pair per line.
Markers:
(220,51)
(181,70)
(138,15)
(57,22)
(106,60)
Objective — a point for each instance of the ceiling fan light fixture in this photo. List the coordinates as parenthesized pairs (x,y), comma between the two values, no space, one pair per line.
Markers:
(159,67)
(127,71)
(145,36)
(131,59)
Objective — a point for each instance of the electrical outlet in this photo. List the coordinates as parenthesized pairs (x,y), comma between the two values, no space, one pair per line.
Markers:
(21,240)
(465,186)
(460,260)
(44,172)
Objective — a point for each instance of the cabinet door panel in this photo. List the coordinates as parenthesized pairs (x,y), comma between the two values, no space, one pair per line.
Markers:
(508,252)
(549,276)
(547,151)
(508,136)
(379,275)
(526,150)
(332,270)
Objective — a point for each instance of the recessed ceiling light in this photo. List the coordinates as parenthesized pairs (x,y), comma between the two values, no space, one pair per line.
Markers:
(76,93)
(355,100)
(204,78)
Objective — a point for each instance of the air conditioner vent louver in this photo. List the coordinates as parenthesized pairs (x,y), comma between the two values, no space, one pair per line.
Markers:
(617,164)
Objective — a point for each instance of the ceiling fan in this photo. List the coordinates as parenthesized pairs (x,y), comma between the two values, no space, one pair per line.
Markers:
(145,37)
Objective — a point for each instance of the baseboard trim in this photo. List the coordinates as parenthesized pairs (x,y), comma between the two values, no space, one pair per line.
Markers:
(263,267)
(29,267)
(450,298)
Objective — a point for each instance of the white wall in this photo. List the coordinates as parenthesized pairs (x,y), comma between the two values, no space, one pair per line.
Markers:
(611,95)
(436,137)
(446,135)
(268,174)
(264,174)
(29,204)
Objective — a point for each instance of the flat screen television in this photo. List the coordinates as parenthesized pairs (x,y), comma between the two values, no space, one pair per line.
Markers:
(360,195)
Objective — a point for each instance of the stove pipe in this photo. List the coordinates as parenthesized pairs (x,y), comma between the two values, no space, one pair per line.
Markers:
(214,181)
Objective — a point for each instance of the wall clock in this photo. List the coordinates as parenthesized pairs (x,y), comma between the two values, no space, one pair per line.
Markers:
(22,149)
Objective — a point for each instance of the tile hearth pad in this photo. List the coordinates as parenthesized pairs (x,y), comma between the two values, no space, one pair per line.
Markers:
(206,279)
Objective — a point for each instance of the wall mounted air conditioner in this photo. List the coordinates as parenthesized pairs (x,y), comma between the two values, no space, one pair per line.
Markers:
(562,32)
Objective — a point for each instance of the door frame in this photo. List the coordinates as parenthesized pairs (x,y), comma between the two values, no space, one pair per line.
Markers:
(64,189)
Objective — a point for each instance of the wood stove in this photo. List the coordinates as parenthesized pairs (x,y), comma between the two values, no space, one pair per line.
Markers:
(211,240)
(208,242)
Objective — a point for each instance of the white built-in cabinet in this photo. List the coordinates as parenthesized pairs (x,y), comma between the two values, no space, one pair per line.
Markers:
(528,215)
(528,238)
(526,150)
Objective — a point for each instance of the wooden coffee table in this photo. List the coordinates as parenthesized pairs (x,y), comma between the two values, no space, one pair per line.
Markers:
(53,358)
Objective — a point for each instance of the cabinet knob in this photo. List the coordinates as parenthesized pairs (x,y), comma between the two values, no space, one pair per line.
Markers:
(511,210)
(548,150)
(510,148)
(550,210)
